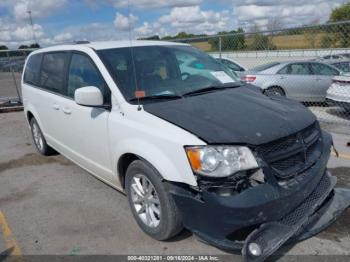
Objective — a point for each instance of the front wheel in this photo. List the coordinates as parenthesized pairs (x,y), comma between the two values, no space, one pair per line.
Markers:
(152,206)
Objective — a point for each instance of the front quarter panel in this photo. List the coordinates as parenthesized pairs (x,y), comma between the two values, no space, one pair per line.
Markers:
(153,139)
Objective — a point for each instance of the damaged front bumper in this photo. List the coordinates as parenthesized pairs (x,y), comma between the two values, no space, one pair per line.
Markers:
(261,219)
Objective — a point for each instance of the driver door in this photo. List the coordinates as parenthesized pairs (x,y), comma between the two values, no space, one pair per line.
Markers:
(85,132)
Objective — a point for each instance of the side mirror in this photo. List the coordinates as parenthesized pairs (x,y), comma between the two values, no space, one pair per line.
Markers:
(88,96)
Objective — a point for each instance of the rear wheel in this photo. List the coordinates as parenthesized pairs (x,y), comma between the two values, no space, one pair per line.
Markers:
(39,139)
(152,206)
(274,91)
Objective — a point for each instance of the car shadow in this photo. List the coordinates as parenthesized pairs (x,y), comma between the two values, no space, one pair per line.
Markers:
(181,236)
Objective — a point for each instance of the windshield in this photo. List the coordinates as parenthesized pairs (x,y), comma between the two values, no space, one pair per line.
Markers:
(164,70)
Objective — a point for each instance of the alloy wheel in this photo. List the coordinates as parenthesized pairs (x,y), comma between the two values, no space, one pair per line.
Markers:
(145,200)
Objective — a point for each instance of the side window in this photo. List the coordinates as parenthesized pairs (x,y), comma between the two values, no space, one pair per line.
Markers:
(82,72)
(343,66)
(32,70)
(52,75)
(325,70)
(232,65)
(296,69)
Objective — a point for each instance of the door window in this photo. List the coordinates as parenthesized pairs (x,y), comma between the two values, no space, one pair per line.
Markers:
(296,69)
(325,70)
(343,66)
(82,73)
(32,71)
(52,75)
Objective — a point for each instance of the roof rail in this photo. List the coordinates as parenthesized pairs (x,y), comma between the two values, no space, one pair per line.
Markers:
(82,42)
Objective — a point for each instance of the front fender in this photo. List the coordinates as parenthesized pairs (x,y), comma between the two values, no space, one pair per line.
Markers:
(169,160)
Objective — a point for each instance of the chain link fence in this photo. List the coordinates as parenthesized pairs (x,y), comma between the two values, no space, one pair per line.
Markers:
(308,64)
(11,67)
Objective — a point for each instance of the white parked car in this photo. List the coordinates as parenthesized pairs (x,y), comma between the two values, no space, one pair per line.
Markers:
(190,148)
(339,92)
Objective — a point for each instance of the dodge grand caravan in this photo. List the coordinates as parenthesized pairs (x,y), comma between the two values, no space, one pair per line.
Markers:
(191,146)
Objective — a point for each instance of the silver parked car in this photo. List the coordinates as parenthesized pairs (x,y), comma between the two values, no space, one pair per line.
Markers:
(342,64)
(335,56)
(339,92)
(300,80)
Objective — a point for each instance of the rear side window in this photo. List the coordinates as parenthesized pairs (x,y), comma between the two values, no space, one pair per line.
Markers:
(343,66)
(296,69)
(324,70)
(32,70)
(52,75)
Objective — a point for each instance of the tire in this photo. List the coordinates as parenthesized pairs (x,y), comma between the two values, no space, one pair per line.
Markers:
(39,140)
(274,91)
(164,221)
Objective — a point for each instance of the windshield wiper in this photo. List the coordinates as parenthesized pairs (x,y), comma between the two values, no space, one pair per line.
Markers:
(210,89)
(155,97)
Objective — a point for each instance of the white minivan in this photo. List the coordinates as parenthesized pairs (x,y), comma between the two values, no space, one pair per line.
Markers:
(191,147)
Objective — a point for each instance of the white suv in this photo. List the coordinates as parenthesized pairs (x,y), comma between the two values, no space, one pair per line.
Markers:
(190,148)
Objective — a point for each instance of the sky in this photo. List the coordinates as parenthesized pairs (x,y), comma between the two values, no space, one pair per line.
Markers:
(60,21)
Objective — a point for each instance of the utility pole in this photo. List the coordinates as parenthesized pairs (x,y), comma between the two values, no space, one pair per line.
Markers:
(32,25)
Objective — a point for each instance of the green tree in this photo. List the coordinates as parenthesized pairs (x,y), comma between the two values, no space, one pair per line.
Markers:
(233,40)
(341,13)
(3,47)
(153,37)
(35,45)
(342,31)
(262,42)
(23,47)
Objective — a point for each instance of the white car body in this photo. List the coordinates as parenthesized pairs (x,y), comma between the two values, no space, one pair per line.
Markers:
(71,130)
(339,91)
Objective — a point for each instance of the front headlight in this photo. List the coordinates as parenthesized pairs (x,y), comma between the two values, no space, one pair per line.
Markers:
(220,161)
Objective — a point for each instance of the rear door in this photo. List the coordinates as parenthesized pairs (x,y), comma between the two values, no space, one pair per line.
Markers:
(323,75)
(85,134)
(50,88)
(297,80)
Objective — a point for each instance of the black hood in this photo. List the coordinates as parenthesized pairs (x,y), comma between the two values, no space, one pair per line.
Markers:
(239,115)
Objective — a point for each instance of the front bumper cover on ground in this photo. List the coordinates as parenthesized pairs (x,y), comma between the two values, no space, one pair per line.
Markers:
(259,220)
(317,212)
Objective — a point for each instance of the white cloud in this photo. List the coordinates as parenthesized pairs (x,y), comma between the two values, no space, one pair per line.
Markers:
(26,32)
(14,35)
(39,8)
(63,37)
(145,29)
(152,3)
(193,19)
(288,12)
(124,23)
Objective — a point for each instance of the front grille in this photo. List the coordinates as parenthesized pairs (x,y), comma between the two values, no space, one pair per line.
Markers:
(309,203)
(292,155)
